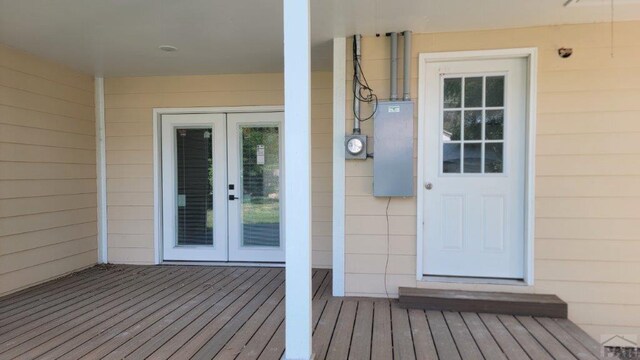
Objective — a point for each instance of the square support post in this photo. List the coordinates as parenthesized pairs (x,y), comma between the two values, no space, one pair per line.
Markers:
(297,162)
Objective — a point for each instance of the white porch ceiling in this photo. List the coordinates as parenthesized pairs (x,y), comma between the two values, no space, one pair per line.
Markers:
(121,37)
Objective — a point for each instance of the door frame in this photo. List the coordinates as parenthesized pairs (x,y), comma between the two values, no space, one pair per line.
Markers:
(531,56)
(157,158)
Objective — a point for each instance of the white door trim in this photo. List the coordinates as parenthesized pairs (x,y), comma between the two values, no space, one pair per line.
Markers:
(339,115)
(531,55)
(157,158)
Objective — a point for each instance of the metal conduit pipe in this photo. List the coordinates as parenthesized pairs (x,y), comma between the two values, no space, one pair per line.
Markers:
(406,96)
(393,93)
(356,100)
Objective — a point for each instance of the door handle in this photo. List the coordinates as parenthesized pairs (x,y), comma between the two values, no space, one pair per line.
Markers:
(428,186)
(233,197)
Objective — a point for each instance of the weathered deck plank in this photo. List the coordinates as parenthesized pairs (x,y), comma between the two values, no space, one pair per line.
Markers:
(341,339)
(100,329)
(524,338)
(205,312)
(547,340)
(361,340)
(181,331)
(573,345)
(136,334)
(445,345)
(402,336)
(510,347)
(482,336)
(74,332)
(325,327)
(381,346)
(422,337)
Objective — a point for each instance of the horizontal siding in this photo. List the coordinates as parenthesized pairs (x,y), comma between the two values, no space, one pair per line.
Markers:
(47,171)
(587,174)
(129,132)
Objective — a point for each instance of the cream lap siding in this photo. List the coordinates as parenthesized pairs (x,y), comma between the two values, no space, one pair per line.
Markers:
(129,131)
(587,174)
(47,171)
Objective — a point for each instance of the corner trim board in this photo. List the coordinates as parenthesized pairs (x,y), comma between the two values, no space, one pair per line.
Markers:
(101,171)
(339,120)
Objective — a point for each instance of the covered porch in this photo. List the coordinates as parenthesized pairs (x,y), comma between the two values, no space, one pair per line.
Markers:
(205,312)
(97,102)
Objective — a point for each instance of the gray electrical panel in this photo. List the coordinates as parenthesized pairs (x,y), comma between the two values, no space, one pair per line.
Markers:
(393,149)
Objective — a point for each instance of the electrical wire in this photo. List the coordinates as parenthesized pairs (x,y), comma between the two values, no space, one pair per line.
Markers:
(612,26)
(365,93)
(386,263)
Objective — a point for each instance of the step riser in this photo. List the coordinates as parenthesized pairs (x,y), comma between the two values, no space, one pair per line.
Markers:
(556,311)
(483,302)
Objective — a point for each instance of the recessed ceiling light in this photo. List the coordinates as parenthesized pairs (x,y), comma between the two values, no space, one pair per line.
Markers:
(168,48)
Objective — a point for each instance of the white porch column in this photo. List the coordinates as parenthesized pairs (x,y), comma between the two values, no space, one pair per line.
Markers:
(297,162)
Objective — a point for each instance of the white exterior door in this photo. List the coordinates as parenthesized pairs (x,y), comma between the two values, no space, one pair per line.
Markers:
(255,188)
(474,209)
(194,178)
(221,187)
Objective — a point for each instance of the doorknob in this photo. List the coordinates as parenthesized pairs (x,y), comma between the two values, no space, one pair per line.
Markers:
(233,197)
(428,186)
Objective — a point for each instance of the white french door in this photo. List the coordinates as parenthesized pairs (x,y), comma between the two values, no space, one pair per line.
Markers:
(194,176)
(221,181)
(475,168)
(255,188)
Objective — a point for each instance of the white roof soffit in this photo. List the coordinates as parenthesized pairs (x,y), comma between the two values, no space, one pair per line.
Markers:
(121,38)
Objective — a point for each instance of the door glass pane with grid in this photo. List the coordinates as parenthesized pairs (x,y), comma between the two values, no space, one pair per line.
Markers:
(473,124)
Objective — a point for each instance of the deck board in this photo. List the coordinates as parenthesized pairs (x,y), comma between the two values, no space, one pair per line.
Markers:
(445,345)
(106,327)
(462,336)
(74,332)
(361,339)
(402,336)
(381,345)
(422,338)
(482,336)
(341,339)
(524,338)
(207,312)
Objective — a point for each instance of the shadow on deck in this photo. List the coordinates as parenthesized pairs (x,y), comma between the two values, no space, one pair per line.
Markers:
(205,312)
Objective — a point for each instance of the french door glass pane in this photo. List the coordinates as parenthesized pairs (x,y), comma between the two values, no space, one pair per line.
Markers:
(194,159)
(260,174)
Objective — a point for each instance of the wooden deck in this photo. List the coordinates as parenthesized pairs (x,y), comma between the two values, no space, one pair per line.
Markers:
(202,312)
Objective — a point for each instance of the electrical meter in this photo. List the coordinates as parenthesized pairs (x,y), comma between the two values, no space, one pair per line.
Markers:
(356,147)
